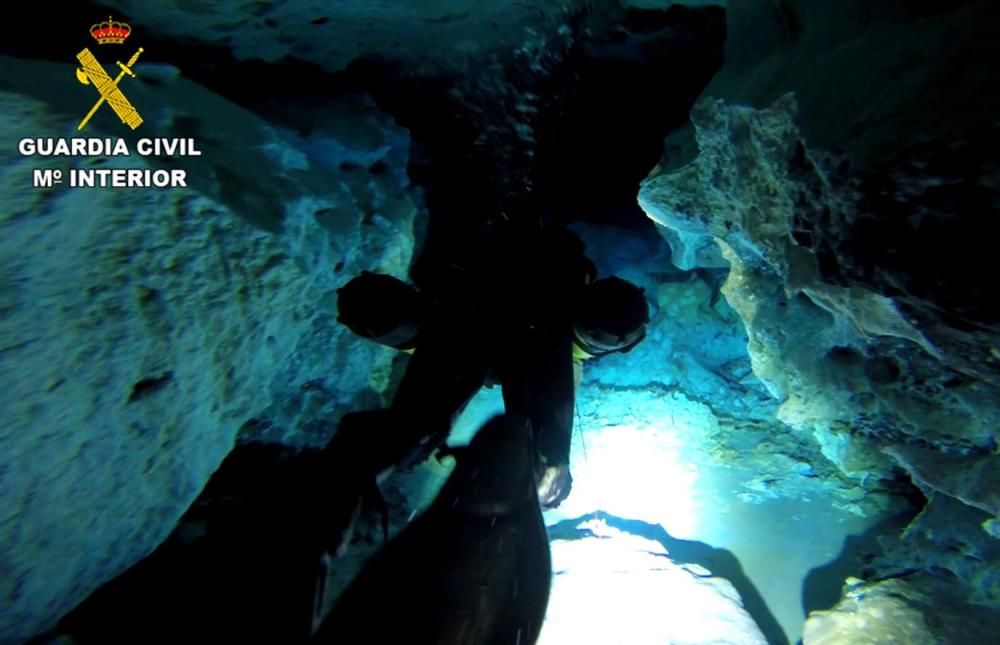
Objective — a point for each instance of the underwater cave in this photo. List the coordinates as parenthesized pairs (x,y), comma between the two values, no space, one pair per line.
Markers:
(790,437)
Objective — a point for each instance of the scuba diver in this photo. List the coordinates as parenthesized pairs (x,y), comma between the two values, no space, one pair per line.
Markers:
(520,307)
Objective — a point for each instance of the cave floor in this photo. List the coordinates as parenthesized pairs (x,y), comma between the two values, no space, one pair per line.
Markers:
(783,544)
(778,542)
(779,553)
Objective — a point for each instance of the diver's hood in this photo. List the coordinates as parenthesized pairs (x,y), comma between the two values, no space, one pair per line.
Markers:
(381,308)
(611,317)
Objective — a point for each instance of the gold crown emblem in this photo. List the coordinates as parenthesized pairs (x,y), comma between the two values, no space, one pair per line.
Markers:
(110,32)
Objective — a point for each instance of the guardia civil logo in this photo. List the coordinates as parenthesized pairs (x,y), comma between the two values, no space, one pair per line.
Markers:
(109,91)
(109,32)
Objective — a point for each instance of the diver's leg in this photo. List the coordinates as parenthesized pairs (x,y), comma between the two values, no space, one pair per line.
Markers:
(444,372)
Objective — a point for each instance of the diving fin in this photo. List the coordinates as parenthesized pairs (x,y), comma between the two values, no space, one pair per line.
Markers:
(374,500)
(370,502)
(320,594)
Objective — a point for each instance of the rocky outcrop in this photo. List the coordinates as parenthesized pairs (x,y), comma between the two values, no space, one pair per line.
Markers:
(610,586)
(877,394)
(143,329)
(971,480)
(950,537)
(848,188)
(837,356)
(915,135)
(921,610)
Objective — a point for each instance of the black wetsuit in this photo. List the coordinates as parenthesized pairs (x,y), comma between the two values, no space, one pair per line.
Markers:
(502,312)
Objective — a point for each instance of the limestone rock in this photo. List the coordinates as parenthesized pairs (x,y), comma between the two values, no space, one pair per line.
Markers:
(618,588)
(694,342)
(143,329)
(836,356)
(914,134)
(948,536)
(972,480)
(883,613)
(855,221)
(332,35)
(746,196)
(916,610)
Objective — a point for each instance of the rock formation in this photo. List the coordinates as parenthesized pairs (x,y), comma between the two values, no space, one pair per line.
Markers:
(143,329)
(848,188)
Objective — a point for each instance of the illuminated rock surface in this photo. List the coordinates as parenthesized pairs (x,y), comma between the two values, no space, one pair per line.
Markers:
(612,587)
(143,330)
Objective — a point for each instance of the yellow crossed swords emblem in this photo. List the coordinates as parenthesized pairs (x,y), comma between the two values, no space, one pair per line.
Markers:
(93,73)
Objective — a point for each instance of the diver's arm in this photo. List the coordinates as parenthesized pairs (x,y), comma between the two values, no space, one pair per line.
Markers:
(540,386)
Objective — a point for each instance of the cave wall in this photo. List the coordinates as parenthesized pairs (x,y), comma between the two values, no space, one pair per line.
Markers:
(145,331)
(829,352)
(206,316)
(844,173)
(918,138)
(332,35)
(850,213)
(872,78)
